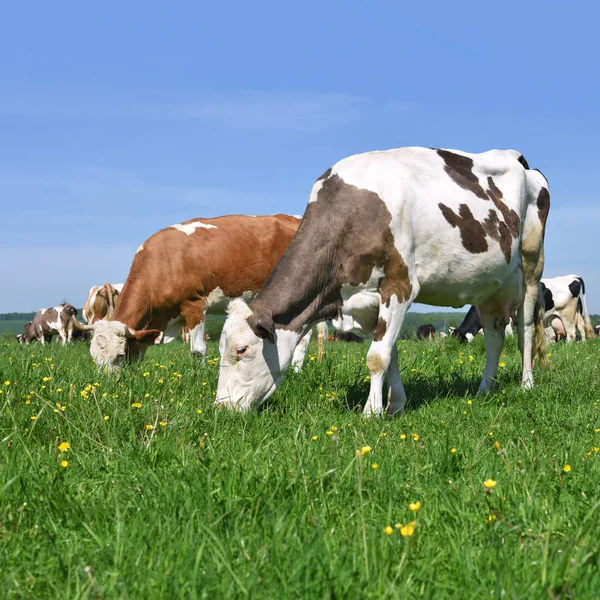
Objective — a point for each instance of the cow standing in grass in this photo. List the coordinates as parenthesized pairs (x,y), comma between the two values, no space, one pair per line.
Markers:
(185,271)
(60,319)
(381,231)
(101,302)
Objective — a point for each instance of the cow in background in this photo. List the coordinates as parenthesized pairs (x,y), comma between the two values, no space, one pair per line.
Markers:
(597,329)
(564,301)
(101,302)
(60,319)
(472,326)
(383,230)
(426,332)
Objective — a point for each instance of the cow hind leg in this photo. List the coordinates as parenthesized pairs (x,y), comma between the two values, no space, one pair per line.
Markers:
(391,316)
(494,341)
(197,340)
(194,313)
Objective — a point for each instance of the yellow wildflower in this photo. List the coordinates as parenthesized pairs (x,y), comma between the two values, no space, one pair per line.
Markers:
(137,405)
(106,417)
(315,438)
(162,423)
(415,437)
(489,483)
(402,436)
(469,401)
(146,373)
(199,411)
(502,365)
(64,464)
(415,506)
(33,417)
(329,432)
(497,445)
(453,450)
(64,446)
(149,427)
(408,529)
(333,428)
(7,382)
(567,468)
(388,530)
(374,466)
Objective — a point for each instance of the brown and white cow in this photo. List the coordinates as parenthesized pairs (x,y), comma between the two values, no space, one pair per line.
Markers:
(60,319)
(101,302)
(185,271)
(385,229)
(566,308)
(426,332)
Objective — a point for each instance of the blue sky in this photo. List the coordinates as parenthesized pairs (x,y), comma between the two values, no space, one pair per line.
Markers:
(119,119)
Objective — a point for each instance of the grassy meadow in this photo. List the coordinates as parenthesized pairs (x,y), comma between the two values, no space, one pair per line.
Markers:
(135,487)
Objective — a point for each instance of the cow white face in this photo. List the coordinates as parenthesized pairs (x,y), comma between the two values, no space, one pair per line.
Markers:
(113,343)
(251,367)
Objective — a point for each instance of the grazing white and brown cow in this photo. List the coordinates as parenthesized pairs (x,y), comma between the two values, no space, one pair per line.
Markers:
(101,302)
(185,271)
(60,319)
(566,308)
(385,229)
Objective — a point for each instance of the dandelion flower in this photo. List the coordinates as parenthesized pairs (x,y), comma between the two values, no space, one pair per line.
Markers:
(162,423)
(415,506)
(333,428)
(497,445)
(149,427)
(7,382)
(33,417)
(408,529)
(489,484)
(137,405)
(106,417)
(199,411)
(491,518)
(453,450)
(402,436)
(374,466)
(64,446)
(469,401)
(146,373)
(415,437)
(383,434)
(567,468)
(329,432)
(388,530)
(365,450)
(64,464)
(315,438)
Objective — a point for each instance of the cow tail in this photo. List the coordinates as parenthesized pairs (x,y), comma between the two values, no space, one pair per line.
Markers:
(538,350)
(589,330)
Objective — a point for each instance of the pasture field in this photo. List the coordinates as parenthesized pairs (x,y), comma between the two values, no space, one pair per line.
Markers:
(162,496)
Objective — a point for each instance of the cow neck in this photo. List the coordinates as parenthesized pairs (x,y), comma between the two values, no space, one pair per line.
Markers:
(303,287)
(133,308)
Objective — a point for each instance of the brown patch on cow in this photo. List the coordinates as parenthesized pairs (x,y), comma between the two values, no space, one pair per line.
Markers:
(511,218)
(543,204)
(381,329)
(522,160)
(325,175)
(460,170)
(505,240)
(344,235)
(472,233)
(374,363)
(490,224)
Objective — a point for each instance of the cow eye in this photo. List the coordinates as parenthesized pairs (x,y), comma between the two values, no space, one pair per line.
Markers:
(241,350)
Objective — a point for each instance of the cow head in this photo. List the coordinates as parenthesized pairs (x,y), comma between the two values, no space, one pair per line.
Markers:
(114,343)
(28,335)
(253,357)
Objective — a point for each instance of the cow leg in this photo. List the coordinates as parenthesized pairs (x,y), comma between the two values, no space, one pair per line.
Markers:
(396,393)
(198,341)
(381,350)
(300,352)
(525,326)
(194,313)
(494,341)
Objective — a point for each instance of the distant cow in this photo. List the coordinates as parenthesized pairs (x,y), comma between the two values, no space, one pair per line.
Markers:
(60,319)
(185,271)
(426,332)
(597,329)
(564,300)
(472,326)
(101,302)
(383,230)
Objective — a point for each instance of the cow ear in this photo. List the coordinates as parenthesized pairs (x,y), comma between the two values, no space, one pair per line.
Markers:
(263,327)
(144,336)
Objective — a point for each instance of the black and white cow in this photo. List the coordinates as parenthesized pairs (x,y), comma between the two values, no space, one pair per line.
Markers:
(597,330)
(385,229)
(564,302)
(471,326)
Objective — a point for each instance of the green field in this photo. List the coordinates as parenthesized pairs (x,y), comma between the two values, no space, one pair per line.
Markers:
(165,497)
(11,328)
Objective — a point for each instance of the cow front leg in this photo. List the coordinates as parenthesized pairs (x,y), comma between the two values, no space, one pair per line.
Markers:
(198,341)
(300,352)
(380,353)
(494,341)
(396,393)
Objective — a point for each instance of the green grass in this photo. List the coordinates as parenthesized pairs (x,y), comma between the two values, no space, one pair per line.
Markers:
(220,505)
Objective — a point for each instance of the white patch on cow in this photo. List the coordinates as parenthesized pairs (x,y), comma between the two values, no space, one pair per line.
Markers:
(314,194)
(300,352)
(141,247)
(250,367)
(171,332)
(189,228)
(42,310)
(109,343)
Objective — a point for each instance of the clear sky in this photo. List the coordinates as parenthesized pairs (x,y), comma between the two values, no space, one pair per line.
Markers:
(118,119)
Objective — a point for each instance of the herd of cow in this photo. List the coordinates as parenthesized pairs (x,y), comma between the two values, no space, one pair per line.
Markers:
(381,231)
